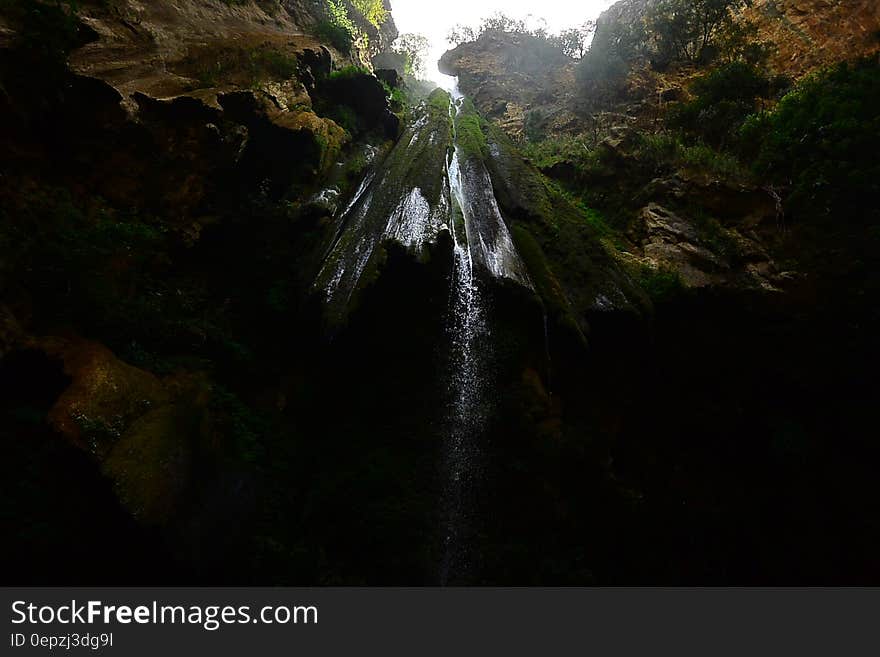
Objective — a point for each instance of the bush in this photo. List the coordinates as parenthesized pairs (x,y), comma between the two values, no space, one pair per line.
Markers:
(660,284)
(724,98)
(338,36)
(337,27)
(667,151)
(822,140)
(605,66)
(575,151)
(689,30)
(373,10)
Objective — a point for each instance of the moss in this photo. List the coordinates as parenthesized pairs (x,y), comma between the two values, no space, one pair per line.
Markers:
(574,238)
(150,465)
(546,284)
(469,135)
(438,101)
(417,161)
(660,284)
(106,395)
(575,151)
(349,72)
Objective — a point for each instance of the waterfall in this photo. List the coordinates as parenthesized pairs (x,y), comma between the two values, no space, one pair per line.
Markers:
(483,250)
(421,190)
(465,421)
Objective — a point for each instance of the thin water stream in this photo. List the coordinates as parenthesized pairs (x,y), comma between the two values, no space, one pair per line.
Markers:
(391,205)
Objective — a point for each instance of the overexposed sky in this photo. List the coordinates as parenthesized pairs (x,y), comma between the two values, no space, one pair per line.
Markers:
(434,18)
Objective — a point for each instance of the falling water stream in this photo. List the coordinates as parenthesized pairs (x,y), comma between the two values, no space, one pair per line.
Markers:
(483,252)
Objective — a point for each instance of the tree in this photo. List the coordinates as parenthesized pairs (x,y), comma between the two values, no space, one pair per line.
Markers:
(688,30)
(497,22)
(414,50)
(373,10)
(501,22)
(573,41)
(460,34)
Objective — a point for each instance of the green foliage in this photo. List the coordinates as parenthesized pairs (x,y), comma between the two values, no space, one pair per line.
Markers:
(822,140)
(338,36)
(439,100)
(573,41)
(241,427)
(344,116)
(469,133)
(349,72)
(373,10)
(535,125)
(567,44)
(337,27)
(724,98)
(397,97)
(688,30)
(660,284)
(605,66)
(667,151)
(572,150)
(413,48)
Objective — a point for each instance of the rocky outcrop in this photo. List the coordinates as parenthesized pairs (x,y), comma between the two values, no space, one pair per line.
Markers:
(143,432)
(105,396)
(702,253)
(807,35)
(803,35)
(509,75)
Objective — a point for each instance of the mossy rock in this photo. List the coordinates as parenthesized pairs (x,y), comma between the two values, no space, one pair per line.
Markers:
(150,465)
(105,397)
(574,253)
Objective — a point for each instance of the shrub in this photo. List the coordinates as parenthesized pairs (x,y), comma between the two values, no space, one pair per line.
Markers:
(606,64)
(338,36)
(535,125)
(337,27)
(660,284)
(667,151)
(688,30)
(823,139)
(575,151)
(373,10)
(724,98)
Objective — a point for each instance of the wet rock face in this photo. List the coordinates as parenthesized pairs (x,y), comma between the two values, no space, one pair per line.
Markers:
(405,200)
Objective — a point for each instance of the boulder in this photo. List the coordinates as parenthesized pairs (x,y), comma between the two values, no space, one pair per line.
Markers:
(105,397)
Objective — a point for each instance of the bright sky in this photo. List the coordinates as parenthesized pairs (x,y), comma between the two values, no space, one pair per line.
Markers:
(434,18)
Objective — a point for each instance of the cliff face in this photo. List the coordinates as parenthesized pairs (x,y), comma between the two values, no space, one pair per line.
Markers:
(508,75)
(150,149)
(805,35)
(812,34)
(212,86)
